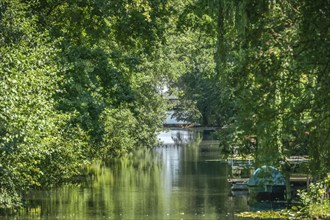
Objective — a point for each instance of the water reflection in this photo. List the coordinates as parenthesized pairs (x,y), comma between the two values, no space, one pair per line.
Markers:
(178,137)
(180,180)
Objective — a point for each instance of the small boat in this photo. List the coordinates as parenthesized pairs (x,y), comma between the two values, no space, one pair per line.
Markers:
(266,183)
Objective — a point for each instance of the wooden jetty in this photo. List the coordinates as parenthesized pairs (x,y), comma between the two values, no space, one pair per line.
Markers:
(293,178)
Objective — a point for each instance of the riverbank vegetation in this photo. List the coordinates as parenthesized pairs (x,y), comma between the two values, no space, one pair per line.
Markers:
(269,83)
(78,82)
(269,87)
(81,80)
(315,204)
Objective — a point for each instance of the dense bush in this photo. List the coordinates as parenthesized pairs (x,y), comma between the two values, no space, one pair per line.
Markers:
(70,91)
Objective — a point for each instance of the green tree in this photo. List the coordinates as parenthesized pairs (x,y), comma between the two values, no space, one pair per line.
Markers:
(34,147)
(272,77)
(77,83)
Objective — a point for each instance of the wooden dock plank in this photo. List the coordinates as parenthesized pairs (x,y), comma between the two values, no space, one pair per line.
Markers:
(292,179)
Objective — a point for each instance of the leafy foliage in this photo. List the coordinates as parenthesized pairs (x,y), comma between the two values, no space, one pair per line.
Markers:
(34,135)
(81,80)
(271,81)
(74,88)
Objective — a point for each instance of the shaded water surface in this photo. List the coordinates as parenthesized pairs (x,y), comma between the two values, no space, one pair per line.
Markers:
(182,179)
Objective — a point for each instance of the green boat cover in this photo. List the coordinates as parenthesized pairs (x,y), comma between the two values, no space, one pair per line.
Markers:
(266,175)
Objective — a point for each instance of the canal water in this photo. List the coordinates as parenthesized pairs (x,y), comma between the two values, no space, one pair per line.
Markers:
(181,179)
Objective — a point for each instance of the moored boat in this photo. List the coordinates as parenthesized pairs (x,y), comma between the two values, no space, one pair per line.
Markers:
(266,183)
